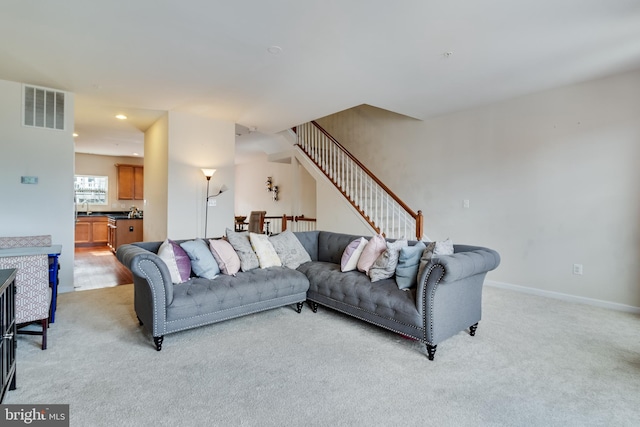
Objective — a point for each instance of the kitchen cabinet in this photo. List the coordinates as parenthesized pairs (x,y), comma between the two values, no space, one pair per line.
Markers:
(122,231)
(130,182)
(91,230)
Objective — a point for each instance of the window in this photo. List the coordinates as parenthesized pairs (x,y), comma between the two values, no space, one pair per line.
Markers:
(91,189)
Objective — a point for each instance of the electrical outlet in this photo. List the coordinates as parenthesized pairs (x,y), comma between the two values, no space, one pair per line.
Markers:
(465,203)
(577,269)
(213,202)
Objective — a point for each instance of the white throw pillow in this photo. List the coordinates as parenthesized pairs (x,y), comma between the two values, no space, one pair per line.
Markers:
(351,255)
(267,255)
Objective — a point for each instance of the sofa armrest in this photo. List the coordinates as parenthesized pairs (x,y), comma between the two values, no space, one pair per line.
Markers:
(149,267)
(467,261)
(449,292)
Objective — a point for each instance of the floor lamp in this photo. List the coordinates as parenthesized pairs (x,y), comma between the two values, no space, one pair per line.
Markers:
(208,173)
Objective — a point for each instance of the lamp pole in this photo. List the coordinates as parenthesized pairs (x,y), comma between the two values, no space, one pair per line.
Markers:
(206,208)
(208,173)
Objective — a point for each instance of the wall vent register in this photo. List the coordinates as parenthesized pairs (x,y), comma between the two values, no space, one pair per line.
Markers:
(43,108)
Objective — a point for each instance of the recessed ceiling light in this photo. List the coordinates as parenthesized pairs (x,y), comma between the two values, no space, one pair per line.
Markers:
(121,117)
(136,154)
(75,135)
(274,50)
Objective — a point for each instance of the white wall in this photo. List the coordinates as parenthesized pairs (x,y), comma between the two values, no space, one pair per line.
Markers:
(197,142)
(176,147)
(297,189)
(551,179)
(156,163)
(45,208)
(92,164)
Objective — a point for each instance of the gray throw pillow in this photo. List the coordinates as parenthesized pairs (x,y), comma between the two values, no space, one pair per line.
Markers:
(202,262)
(408,264)
(385,265)
(289,249)
(242,245)
(425,259)
(444,247)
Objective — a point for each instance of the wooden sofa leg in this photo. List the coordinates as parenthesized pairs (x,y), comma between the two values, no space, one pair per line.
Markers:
(431,351)
(158,342)
(472,330)
(314,306)
(299,307)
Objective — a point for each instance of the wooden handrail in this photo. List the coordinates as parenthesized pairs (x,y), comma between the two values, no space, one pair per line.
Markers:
(417,216)
(367,171)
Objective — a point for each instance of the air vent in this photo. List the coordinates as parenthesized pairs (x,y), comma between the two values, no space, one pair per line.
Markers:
(43,108)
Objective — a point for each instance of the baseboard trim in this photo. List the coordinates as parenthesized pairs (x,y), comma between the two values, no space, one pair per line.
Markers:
(565,297)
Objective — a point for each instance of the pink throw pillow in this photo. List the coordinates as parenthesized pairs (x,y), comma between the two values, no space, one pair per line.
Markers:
(225,256)
(351,254)
(376,246)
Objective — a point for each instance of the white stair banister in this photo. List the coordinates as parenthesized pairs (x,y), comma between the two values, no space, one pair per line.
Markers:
(380,207)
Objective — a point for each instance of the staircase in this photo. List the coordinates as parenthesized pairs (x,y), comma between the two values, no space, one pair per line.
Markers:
(379,206)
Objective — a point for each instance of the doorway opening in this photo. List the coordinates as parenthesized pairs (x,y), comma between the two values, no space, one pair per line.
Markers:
(97,267)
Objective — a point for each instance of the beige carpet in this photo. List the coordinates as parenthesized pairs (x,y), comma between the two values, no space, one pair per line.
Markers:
(533,362)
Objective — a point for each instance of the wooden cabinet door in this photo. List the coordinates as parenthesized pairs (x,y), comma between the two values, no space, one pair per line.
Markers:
(130,182)
(83,232)
(99,231)
(138,183)
(125,182)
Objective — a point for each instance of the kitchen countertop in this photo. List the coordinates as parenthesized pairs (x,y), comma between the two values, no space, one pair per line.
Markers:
(114,215)
(121,216)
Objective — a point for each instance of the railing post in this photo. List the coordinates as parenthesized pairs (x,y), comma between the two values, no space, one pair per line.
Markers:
(284,222)
(419,219)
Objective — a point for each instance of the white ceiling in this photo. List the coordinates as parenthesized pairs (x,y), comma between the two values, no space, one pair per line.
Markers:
(144,57)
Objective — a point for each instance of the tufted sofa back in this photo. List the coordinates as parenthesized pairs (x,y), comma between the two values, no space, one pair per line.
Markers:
(328,246)
(325,246)
(332,245)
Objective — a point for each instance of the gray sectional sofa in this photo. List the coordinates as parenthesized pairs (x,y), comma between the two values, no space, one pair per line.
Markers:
(164,308)
(446,300)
